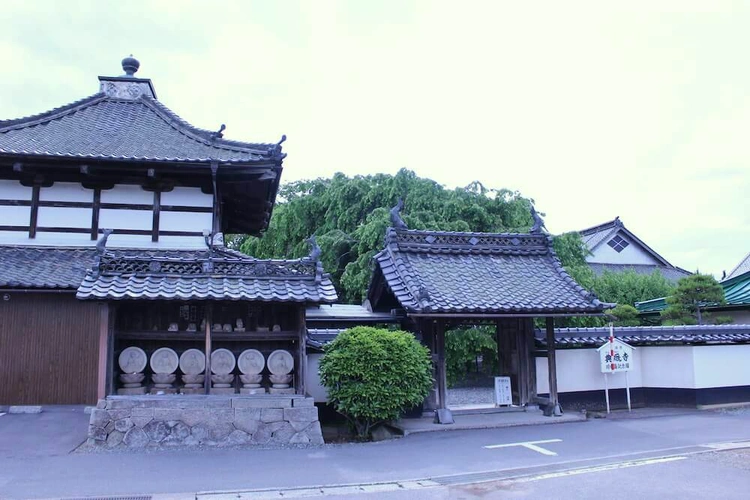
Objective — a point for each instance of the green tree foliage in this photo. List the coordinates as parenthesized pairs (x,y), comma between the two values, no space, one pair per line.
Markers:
(349,216)
(623,288)
(463,350)
(693,293)
(625,314)
(373,375)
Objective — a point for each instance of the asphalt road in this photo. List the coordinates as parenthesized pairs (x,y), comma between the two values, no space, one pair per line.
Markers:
(33,464)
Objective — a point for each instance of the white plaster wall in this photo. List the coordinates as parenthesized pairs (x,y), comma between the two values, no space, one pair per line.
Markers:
(172,242)
(312,380)
(667,366)
(632,254)
(579,370)
(110,218)
(13,190)
(66,191)
(185,221)
(124,193)
(64,217)
(721,365)
(187,196)
(45,239)
(15,216)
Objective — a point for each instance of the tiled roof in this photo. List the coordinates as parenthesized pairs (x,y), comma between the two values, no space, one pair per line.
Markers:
(440,272)
(736,294)
(43,267)
(201,275)
(104,127)
(347,313)
(741,268)
(649,335)
(597,235)
(670,273)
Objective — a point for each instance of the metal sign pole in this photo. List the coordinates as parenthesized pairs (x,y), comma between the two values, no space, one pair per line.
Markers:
(627,389)
(606,390)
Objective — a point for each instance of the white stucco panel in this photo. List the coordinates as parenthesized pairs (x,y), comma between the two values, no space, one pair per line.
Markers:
(579,370)
(632,254)
(64,217)
(13,190)
(15,216)
(188,197)
(66,191)
(125,193)
(110,218)
(185,221)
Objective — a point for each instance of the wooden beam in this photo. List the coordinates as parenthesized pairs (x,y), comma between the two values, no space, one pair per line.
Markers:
(207,379)
(102,372)
(552,366)
(34,210)
(302,368)
(157,213)
(523,362)
(95,214)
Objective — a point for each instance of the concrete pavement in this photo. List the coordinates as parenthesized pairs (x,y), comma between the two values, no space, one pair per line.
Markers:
(26,473)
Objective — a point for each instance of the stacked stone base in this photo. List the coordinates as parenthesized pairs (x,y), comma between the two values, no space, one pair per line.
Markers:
(168,421)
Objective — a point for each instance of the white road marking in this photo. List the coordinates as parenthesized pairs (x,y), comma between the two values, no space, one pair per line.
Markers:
(319,491)
(730,446)
(1,414)
(531,445)
(599,468)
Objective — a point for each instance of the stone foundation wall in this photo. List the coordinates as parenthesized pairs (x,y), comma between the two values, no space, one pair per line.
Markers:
(164,421)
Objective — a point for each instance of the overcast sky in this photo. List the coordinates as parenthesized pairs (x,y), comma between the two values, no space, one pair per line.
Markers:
(636,109)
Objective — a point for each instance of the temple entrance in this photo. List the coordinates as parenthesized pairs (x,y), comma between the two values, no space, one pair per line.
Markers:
(479,352)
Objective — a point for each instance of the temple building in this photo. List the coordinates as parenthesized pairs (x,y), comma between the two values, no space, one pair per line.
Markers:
(114,276)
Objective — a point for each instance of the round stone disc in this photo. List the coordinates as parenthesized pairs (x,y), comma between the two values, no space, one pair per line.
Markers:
(251,362)
(192,362)
(222,361)
(164,360)
(280,362)
(132,360)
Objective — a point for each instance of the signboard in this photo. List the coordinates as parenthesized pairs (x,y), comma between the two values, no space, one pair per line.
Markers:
(503,394)
(615,356)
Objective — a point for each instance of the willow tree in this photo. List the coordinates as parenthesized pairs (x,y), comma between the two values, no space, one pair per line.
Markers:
(349,216)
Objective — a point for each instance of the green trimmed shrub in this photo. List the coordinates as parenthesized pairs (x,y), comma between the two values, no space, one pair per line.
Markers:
(374,375)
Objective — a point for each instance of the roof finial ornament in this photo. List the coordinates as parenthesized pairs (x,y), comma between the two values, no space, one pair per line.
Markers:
(538,227)
(315,250)
(130,65)
(102,243)
(396,221)
(219,133)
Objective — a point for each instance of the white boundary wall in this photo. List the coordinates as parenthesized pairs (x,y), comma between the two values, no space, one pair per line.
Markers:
(684,367)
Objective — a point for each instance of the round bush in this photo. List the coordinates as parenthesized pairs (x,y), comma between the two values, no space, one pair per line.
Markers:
(373,375)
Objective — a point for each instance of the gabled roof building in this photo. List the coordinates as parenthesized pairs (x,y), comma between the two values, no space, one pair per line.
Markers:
(615,248)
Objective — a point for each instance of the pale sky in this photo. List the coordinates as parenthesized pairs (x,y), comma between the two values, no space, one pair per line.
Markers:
(594,109)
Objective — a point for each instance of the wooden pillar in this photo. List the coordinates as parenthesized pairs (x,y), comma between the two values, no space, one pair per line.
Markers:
(528,328)
(552,367)
(427,332)
(523,362)
(208,318)
(442,381)
(103,365)
(302,353)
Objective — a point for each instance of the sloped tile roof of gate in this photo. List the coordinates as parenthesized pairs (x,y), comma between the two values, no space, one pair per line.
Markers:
(44,267)
(478,273)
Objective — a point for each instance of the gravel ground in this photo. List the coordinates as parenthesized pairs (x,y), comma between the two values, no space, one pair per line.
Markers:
(739,459)
(471,395)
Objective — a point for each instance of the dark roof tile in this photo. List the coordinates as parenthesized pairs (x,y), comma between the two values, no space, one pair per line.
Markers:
(440,272)
(102,127)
